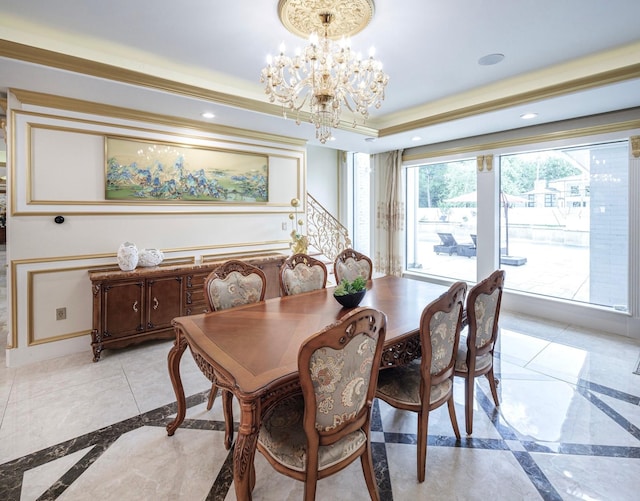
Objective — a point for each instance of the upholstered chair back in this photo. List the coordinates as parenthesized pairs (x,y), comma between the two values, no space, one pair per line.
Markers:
(302,273)
(350,264)
(234,283)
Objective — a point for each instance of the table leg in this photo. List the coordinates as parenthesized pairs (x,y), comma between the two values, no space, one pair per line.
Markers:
(227,402)
(173,359)
(245,451)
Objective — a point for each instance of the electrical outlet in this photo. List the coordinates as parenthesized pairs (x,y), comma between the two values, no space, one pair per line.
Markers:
(61,313)
(284,226)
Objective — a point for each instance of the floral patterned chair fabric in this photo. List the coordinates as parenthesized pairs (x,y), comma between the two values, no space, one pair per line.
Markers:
(475,351)
(302,273)
(233,283)
(350,264)
(311,436)
(234,290)
(427,383)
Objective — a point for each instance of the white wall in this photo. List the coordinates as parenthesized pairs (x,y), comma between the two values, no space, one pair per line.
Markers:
(56,166)
(322,177)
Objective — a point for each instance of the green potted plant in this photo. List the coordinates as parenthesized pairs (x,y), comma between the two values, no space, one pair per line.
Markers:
(350,293)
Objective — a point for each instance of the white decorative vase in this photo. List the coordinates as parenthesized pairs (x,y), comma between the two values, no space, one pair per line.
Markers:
(150,257)
(127,256)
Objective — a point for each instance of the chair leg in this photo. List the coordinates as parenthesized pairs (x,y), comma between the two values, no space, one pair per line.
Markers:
(311,482)
(423,427)
(493,384)
(452,416)
(212,396)
(369,473)
(227,408)
(468,403)
(252,477)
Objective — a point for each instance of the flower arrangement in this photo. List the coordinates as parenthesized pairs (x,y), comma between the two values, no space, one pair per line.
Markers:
(350,293)
(346,287)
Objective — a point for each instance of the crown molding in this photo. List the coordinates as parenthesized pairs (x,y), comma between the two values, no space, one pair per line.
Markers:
(44,57)
(527,135)
(424,116)
(629,72)
(80,106)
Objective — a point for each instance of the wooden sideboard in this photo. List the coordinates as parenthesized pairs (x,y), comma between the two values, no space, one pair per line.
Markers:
(130,307)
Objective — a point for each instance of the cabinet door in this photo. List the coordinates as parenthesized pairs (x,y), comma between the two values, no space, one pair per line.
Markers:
(123,312)
(164,301)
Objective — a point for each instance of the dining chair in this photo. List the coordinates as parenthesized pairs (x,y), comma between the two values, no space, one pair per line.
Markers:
(302,273)
(313,435)
(475,349)
(427,383)
(350,264)
(233,283)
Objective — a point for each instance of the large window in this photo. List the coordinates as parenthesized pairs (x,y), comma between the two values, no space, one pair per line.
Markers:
(564,232)
(563,222)
(441,219)
(360,202)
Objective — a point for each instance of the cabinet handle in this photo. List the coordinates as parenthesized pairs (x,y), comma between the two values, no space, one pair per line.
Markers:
(155,303)
(135,306)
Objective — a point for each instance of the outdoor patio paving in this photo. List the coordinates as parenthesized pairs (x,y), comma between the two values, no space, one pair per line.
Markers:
(555,270)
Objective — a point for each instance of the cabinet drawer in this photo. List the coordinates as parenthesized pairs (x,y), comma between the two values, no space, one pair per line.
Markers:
(194,298)
(196,308)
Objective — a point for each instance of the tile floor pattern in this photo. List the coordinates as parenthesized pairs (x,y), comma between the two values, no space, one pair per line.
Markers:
(568,428)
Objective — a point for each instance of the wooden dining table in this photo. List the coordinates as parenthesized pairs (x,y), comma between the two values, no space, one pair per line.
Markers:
(252,350)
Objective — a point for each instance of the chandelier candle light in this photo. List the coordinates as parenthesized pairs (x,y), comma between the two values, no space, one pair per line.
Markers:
(326,74)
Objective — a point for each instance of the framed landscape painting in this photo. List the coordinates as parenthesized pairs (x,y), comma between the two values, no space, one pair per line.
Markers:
(149,171)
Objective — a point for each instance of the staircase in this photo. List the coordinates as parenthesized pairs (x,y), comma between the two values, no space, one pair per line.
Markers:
(327,236)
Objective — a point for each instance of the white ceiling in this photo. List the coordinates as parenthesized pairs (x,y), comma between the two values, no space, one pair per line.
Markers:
(429,49)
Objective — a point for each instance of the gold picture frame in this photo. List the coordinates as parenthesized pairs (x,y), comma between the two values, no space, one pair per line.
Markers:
(141,170)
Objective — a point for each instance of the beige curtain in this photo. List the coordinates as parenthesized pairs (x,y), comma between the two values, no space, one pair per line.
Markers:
(390,213)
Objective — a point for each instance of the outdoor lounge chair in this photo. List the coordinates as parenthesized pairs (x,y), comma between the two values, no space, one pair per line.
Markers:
(503,250)
(468,250)
(449,244)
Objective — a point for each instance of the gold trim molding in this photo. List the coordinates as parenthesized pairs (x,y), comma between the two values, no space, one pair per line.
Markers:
(12,342)
(92,108)
(485,161)
(22,52)
(44,57)
(520,141)
(635,146)
(274,151)
(579,84)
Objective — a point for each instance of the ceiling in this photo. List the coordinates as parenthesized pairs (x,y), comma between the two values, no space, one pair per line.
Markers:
(563,59)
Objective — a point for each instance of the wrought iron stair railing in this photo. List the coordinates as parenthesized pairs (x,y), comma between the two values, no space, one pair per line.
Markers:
(325,233)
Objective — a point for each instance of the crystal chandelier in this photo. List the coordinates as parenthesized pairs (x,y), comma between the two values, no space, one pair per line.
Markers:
(326,75)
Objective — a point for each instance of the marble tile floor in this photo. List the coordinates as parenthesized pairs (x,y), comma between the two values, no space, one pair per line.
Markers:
(568,428)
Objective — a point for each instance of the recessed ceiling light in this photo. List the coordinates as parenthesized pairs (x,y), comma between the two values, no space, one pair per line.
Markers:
(332,138)
(528,116)
(490,59)
(208,114)
(416,138)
